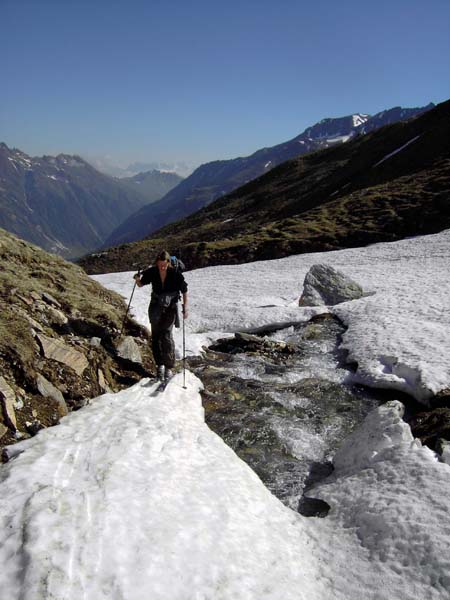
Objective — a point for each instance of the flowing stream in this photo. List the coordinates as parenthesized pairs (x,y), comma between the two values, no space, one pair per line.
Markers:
(284,402)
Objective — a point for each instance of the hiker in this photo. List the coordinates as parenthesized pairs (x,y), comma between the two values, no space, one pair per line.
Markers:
(167,285)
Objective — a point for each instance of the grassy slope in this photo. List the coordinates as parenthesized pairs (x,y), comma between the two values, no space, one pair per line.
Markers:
(335,198)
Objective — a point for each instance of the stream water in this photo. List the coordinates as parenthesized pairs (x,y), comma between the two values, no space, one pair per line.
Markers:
(283,407)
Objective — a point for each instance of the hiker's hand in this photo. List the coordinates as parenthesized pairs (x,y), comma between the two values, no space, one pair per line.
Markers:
(137,277)
(185,312)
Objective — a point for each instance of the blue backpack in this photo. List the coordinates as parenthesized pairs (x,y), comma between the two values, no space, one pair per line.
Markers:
(177,264)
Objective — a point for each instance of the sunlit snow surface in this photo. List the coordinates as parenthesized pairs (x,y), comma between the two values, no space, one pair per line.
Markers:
(134,497)
(400,336)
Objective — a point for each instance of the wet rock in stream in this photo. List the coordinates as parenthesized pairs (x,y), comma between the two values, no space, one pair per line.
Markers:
(281,401)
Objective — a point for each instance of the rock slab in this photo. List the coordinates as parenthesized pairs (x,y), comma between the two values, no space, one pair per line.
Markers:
(129,350)
(59,351)
(8,397)
(326,286)
(48,390)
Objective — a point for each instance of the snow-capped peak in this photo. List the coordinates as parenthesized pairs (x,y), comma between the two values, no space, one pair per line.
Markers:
(359,119)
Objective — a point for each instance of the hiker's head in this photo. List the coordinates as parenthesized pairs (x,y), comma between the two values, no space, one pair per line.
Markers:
(162,261)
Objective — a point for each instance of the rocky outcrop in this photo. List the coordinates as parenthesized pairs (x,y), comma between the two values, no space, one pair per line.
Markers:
(59,351)
(59,340)
(246,342)
(7,398)
(48,390)
(432,426)
(325,285)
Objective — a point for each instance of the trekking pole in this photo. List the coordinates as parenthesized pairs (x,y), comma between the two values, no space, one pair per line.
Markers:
(129,304)
(184,352)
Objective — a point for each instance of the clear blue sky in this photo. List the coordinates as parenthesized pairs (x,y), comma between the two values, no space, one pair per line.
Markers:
(201,80)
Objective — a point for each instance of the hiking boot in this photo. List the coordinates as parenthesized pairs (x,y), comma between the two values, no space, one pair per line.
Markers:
(160,372)
(168,374)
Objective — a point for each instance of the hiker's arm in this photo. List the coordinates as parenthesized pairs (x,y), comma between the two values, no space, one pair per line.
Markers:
(143,277)
(137,279)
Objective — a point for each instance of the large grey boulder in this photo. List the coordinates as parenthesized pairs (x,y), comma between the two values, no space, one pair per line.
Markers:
(129,350)
(326,286)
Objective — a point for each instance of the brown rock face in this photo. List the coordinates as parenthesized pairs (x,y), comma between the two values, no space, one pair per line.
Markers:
(7,398)
(48,390)
(59,351)
(59,333)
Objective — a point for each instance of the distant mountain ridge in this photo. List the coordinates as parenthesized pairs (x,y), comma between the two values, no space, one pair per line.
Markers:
(153,184)
(61,203)
(107,166)
(392,183)
(218,178)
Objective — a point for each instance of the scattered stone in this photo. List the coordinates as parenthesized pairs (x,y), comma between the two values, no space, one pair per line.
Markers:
(33,427)
(313,507)
(56,316)
(8,397)
(326,286)
(245,342)
(443,448)
(50,300)
(48,390)
(3,430)
(249,338)
(25,300)
(432,425)
(35,295)
(59,351)
(96,342)
(18,403)
(102,382)
(129,350)
(34,324)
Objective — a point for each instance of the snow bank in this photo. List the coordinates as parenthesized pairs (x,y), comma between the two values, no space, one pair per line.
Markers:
(389,498)
(135,498)
(400,337)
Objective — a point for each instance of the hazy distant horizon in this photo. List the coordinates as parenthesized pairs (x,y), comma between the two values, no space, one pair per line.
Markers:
(194,82)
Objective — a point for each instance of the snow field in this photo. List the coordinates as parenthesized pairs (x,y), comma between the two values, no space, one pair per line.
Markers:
(392,494)
(134,497)
(400,336)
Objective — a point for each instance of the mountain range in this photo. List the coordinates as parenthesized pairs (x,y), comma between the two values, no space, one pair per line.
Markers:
(388,184)
(218,178)
(109,167)
(64,205)
(153,184)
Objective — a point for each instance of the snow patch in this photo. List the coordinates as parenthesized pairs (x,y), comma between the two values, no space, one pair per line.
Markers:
(359,119)
(338,139)
(396,151)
